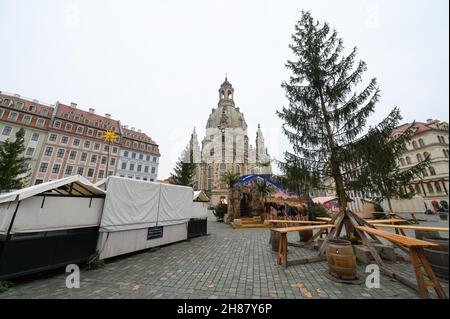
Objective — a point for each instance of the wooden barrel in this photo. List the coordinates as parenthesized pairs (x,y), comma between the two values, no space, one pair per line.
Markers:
(341,259)
(438,256)
(274,240)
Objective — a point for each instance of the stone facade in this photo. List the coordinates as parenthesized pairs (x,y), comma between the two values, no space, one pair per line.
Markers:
(226,147)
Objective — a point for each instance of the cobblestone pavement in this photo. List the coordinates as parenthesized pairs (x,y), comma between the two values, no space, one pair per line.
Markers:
(227,263)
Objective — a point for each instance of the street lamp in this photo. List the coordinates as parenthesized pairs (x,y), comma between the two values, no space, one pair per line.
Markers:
(109,136)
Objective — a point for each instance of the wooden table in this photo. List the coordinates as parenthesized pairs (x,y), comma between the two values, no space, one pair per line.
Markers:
(418,259)
(325,219)
(293,222)
(426,228)
(282,246)
(392,221)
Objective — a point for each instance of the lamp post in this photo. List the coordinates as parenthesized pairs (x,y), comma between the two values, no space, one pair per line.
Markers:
(109,136)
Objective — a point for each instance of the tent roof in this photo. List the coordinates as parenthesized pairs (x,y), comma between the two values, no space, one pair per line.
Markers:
(200,196)
(79,186)
(245,179)
(323,200)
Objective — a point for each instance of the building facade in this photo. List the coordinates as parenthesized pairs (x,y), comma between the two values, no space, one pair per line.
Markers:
(63,140)
(139,156)
(226,147)
(429,140)
(34,117)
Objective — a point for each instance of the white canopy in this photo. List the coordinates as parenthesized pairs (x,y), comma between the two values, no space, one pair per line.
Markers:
(200,196)
(75,185)
(135,204)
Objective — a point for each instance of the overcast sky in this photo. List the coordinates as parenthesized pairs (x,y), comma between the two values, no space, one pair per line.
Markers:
(157,64)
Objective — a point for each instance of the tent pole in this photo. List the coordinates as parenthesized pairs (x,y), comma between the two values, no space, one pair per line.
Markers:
(8,235)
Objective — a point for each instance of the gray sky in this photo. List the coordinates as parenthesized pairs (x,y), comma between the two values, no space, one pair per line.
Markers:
(157,65)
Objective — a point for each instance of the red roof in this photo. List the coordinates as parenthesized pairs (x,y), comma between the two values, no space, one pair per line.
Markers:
(86,118)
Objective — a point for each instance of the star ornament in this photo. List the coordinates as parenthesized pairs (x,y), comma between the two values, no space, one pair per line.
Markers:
(109,136)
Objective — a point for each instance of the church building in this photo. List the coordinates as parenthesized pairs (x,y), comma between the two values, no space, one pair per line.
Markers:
(226,148)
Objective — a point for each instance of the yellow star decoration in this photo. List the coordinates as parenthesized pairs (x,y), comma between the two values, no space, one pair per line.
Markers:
(109,136)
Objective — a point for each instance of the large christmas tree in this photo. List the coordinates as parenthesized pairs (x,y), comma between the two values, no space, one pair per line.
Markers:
(325,113)
(13,165)
(184,170)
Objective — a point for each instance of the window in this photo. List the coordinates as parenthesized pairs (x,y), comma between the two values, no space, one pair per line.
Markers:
(106,148)
(445,153)
(80,129)
(48,151)
(419,157)
(125,154)
(43,167)
(99,134)
(60,153)
(1,113)
(133,155)
(12,116)
(69,170)
(64,140)
(421,142)
(90,172)
(56,168)
(146,169)
(57,124)
(40,122)
(26,119)
(68,127)
(211,153)
(87,144)
(124,165)
(104,159)
(438,188)
(432,170)
(113,161)
(93,158)
(96,146)
(424,173)
(90,132)
(139,168)
(6,102)
(426,155)
(430,188)
(30,151)
(76,142)
(155,159)
(414,144)
(408,160)
(52,137)
(141,156)
(80,171)
(110,173)
(131,167)
(114,150)
(83,157)
(153,170)
(7,130)
(73,155)
(38,181)
(101,173)
(35,136)
(147,158)
(19,105)
(418,189)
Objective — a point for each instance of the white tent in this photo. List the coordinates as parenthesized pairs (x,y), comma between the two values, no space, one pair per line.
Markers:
(200,205)
(68,203)
(140,214)
(49,225)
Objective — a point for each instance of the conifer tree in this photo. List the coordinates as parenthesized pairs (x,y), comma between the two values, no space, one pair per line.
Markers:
(13,165)
(184,170)
(325,113)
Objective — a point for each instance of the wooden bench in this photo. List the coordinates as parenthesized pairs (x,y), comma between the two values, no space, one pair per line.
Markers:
(426,228)
(395,215)
(282,246)
(325,219)
(390,221)
(418,259)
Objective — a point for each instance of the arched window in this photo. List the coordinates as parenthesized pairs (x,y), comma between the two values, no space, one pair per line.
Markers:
(445,153)
(414,144)
(421,142)
(437,186)
(402,161)
(230,95)
(418,189)
(223,169)
(424,173)
(238,170)
(211,152)
(419,157)
(439,138)
(6,102)
(222,94)
(426,155)
(209,172)
(432,170)
(408,160)
(430,188)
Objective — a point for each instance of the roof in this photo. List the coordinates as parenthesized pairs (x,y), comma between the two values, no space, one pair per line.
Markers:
(79,187)
(138,136)
(323,200)
(200,196)
(419,126)
(102,121)
(246,179)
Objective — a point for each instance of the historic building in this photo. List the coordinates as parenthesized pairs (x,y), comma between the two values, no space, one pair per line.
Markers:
(139,156)
(75,146)
(34,117)
(430,140)
(226,147)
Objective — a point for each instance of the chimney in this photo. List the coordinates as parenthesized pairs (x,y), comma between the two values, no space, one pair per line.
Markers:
(132,128)
(91,110)
(125,127)
(429,121)
(36,101)
(73,104)
(108,116)
(139,130)
(17,95)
